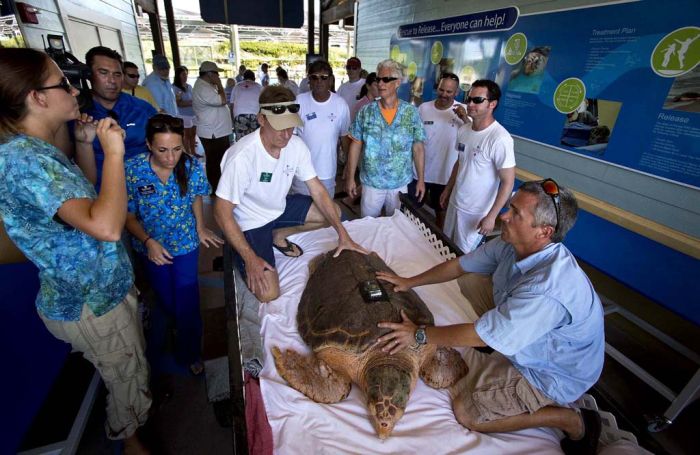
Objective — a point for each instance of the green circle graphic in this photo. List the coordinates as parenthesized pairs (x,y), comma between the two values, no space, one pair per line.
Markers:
(676,53)
(569,95)
(395,52)
(412,71)
(515,48)
(436,52)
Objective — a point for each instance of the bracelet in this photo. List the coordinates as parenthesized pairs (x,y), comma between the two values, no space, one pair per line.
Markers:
(146,240)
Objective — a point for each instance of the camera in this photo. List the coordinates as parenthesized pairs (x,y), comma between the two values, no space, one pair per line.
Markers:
(78,73)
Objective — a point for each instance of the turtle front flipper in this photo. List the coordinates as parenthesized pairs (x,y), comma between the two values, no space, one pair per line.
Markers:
(443,369)
(311,376)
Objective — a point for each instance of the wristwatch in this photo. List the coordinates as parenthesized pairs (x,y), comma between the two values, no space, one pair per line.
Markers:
(420,336)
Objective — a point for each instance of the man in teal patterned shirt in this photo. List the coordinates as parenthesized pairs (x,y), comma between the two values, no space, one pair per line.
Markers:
(389,136)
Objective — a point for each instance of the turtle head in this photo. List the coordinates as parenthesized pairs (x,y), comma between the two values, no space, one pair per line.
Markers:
(388,389)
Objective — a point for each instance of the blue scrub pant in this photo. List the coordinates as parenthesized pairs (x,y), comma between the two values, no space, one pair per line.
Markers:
(177,287)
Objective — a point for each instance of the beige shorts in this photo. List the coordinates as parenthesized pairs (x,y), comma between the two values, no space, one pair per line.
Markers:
(114,344)
(494,389)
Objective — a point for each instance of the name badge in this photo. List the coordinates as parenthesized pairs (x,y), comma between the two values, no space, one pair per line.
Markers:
(311,116)
(266,177)
(147,189)
(460,147)
(428,122)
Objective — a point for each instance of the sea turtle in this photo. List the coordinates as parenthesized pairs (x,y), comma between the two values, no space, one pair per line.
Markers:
(340,326)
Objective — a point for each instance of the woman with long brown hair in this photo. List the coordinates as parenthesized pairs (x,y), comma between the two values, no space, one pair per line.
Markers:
(165,189)
(70,233)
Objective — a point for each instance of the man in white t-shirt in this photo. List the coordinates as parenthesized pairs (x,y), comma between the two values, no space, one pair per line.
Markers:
(441,122)
(213,118)
(326,118)
(253,208)
(483,176)
(351,89)
(244,101)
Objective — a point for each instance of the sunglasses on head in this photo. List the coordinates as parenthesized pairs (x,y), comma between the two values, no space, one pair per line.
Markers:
(475,99)
(323,77)
(65,85)
(551,189)
(161,122)
(386,80)
(280,108)
(449,76)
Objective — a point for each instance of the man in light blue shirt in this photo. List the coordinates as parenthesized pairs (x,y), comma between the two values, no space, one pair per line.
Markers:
(159,85)
(537,311)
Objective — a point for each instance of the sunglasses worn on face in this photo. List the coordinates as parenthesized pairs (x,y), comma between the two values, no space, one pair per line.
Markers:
(475,99)
(132,76)
(551,189)
(352,67)
(323,77)
(386,80)
(65,85)
(282,108)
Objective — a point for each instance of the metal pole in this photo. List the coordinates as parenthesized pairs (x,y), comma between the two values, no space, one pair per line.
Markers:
(172,32)
(311,24)
(237,48)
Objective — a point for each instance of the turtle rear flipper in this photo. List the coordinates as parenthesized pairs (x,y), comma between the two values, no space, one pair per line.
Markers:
(311,376)
(443,369)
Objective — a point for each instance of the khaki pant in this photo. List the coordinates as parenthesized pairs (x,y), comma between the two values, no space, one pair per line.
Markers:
(493,389)
(114,344)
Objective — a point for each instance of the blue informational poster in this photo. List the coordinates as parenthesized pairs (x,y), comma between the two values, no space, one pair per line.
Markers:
(618,83)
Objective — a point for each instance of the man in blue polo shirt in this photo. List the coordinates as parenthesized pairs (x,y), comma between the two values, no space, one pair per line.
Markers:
(108,101)
(539,313)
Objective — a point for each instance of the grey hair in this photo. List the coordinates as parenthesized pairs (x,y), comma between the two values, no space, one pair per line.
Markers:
(546,213)
(393,66)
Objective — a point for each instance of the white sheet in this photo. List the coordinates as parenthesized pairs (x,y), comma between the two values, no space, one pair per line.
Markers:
(301,426)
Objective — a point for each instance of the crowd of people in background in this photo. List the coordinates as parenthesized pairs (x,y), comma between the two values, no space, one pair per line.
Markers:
(93,195)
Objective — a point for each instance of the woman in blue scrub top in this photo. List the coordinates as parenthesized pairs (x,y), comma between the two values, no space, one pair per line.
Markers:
(165,189)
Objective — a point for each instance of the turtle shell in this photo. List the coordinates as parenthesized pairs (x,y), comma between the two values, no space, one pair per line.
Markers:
(333,313)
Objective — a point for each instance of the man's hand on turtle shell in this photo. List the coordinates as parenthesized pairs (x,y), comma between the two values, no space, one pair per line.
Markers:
(348,244)
(402,335)
(400,284)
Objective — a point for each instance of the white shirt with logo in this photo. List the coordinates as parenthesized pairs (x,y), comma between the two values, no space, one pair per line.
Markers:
(257,183)
(441,128)
(324,123)
(481,155)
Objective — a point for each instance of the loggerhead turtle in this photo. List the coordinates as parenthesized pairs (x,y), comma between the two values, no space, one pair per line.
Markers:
(341,329)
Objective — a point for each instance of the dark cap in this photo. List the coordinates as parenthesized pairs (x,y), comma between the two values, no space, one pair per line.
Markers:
(354,61)
(160,62)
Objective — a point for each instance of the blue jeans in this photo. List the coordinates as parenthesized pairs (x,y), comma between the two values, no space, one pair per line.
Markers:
(177,287)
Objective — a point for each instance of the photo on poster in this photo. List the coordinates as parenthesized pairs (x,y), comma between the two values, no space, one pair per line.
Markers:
(684,94)
(590,126)
(528,75)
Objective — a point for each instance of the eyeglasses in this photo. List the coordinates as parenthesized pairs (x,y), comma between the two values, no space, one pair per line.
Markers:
(323,77)
(65,85)
(386,80)
(280,108)
(132,76)
(551,189)
(160,122)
